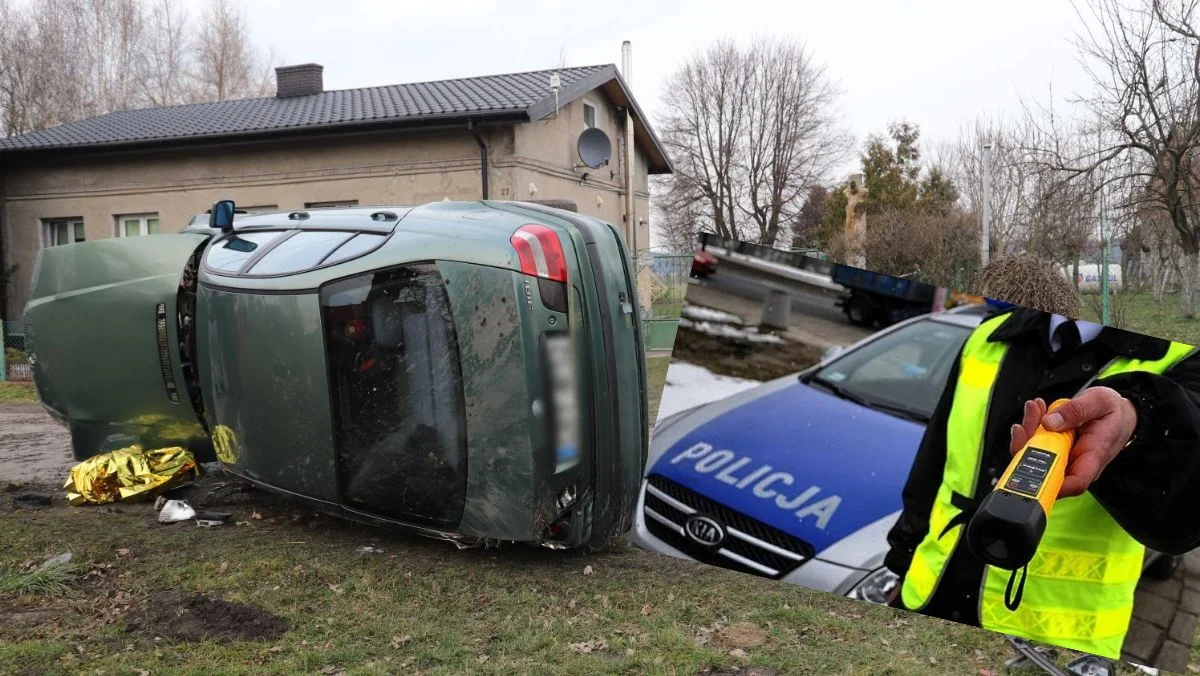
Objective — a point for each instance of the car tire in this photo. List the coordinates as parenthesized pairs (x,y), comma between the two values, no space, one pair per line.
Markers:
(860,311)
(1163,568)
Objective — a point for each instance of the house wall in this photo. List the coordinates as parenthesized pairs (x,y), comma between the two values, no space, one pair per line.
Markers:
(545,151)
(380,169)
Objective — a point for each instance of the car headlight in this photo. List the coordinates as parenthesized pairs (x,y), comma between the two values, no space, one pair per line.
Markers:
(876,587)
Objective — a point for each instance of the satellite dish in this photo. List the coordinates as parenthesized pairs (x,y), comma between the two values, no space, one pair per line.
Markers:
(594,148)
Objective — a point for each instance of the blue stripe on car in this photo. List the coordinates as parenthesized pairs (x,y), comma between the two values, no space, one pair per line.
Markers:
(806,462)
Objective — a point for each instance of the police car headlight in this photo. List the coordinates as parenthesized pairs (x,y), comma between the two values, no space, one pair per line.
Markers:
(876,587)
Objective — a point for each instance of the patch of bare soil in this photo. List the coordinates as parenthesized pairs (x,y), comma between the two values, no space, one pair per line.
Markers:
(16,617)
(197,617)
(757,361)
(742,635)
(33,447)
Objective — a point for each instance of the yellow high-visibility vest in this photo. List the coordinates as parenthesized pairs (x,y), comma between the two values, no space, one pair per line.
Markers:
(1080,584)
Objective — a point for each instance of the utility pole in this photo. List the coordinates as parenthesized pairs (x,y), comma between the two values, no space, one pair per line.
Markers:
(1104,308)
(985,243)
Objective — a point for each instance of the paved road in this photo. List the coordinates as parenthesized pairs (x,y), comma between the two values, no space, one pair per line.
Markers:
(732,281)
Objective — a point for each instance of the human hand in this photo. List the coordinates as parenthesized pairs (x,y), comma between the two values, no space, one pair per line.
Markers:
(1105,422)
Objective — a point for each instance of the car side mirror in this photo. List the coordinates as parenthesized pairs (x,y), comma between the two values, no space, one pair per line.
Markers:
(221,215)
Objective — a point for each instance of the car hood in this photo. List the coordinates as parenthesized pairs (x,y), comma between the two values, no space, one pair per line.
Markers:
(796,458)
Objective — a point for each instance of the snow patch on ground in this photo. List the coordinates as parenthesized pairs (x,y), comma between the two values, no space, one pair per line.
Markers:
(704,314)
(749,335)
(689,386)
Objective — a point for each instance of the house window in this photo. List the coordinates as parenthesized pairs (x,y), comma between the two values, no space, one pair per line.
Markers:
(58,231)
(589,115)
(137,225)
(335,203)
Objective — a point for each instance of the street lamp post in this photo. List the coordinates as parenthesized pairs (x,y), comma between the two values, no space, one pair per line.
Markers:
(1104,246)
(985,242)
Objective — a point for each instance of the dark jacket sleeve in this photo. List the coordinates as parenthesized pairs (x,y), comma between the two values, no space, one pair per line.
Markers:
(1152,487)
(924,479)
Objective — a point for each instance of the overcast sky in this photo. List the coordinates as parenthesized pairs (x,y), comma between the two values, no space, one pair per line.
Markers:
(932,62)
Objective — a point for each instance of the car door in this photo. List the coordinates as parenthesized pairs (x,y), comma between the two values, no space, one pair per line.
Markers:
(103,331)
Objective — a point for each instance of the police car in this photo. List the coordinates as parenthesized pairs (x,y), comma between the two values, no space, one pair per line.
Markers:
(800,479)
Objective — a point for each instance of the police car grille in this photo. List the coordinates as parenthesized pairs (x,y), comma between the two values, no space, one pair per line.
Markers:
(750,547)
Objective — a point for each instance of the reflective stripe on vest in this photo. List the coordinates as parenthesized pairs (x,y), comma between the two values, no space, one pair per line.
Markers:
(1080,584)
(978,366)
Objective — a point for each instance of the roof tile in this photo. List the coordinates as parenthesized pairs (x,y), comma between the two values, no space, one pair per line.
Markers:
(487,94)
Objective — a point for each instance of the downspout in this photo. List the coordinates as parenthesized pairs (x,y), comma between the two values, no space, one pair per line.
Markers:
(627,74)
(483,156)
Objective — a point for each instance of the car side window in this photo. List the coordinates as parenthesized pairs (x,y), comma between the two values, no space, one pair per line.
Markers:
(229,255)
(300,252)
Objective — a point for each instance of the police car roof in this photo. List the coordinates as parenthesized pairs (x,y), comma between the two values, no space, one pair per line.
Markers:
(968,316)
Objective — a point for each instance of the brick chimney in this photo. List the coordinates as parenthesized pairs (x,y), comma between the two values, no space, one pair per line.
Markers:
(301,80)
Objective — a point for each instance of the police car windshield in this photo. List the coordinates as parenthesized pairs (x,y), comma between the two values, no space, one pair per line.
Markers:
(901,372)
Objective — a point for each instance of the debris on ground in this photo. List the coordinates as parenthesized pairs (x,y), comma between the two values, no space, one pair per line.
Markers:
(31,500)
(58,560)
(369,550)
(209,519)
(129,473)
(174,511)
(198,617)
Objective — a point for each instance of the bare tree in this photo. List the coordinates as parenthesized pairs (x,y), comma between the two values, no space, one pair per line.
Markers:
(791,140)
(702,128)
(226,65)
(163,65)
(1142,126)
(64,60)
(750,130)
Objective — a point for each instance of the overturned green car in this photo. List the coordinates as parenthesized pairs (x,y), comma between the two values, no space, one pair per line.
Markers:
(469,371)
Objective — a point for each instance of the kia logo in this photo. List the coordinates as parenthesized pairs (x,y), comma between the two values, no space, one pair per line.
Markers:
(705,531)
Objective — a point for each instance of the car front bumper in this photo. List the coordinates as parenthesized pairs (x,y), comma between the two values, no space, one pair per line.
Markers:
(814,574)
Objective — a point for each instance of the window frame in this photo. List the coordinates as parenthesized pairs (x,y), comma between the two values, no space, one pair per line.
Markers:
(590,105)
(48,226)
(143,219)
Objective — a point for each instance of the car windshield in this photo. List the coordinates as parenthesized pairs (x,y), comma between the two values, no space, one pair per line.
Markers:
(902,372)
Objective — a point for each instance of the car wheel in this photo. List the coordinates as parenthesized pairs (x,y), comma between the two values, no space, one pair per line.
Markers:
(859,310)
(1163,567)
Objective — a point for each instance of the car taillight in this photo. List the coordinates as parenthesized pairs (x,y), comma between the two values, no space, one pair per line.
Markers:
(540,252)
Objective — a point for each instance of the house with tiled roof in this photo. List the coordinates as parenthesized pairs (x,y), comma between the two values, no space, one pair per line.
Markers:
(513,136)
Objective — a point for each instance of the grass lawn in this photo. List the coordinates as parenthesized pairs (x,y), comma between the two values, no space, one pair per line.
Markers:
(17,393)
(1143,315)
(421,605)
(656,378)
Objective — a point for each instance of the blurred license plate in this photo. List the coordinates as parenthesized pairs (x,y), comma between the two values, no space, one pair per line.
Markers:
(564,399)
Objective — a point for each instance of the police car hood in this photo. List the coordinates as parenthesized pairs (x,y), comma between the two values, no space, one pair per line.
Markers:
(794,457)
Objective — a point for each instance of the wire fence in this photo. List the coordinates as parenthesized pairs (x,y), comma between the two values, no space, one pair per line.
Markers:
(14,365)
(663,281)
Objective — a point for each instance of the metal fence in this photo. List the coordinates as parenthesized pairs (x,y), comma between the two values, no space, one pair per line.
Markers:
(663,281)
(811,260)
(14,366)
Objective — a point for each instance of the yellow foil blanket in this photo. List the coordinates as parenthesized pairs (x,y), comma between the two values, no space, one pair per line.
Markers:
(128,472)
